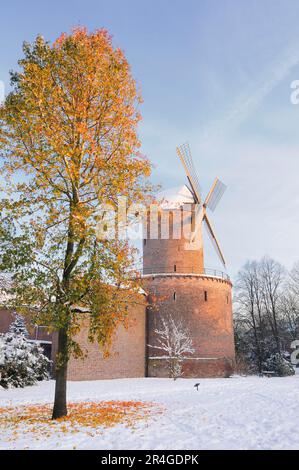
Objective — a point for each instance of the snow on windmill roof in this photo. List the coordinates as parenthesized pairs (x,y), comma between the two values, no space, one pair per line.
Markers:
(175,197)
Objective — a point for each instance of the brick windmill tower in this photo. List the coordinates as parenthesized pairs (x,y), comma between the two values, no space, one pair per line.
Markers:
(178,282)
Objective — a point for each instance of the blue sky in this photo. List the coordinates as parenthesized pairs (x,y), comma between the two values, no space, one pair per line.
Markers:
(216,73)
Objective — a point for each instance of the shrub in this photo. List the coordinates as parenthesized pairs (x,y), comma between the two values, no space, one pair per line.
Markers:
(279,365)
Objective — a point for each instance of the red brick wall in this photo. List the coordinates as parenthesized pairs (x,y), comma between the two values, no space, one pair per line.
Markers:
(127,355)
(221,367)
(160,255)
(209,321)
(7,317)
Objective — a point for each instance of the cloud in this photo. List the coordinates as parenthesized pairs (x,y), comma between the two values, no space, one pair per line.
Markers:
(276,71)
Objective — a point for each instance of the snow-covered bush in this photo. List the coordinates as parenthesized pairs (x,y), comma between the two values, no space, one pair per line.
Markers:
(279,365)
(18,327)
(23,363)
(174,340)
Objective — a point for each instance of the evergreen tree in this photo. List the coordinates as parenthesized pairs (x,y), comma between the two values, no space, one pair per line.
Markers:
(23,362)
(279,365)
(18,326)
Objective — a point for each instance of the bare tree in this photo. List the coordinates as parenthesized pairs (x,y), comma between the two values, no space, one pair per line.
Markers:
(174,340)
(289,305)
(293,281)
(273,276)
(290,302)
(249,312)
(262,310)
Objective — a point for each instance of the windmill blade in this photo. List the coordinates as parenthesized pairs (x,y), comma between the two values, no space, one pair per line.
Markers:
(199,216)
(214,239)
(185,156)
(216,192)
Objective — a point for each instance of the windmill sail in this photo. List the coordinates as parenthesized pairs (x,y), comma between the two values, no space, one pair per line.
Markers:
(185,156)
(213,239)
(217,190)
(199,215)
(212,200)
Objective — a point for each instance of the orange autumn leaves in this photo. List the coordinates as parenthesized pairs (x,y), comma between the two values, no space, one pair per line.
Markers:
(89,417)
(68,145)
(73,121)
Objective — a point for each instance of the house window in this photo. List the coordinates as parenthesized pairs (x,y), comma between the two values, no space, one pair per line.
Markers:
(174,296)
(206,296)
(174,268)
(144,242)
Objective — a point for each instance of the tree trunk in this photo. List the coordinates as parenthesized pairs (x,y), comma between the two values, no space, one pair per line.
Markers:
(60,407)
(257,343)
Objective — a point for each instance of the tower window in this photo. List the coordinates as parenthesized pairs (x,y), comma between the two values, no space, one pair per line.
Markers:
(174,296)
(174,268)
(144,242)
(206,296)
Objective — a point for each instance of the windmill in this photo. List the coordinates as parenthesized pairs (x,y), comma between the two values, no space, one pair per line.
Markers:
(211,201)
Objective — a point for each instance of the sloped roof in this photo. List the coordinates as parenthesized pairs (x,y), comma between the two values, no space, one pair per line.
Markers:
(175,197)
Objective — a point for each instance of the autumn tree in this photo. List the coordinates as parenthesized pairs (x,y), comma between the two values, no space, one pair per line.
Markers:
(69,143)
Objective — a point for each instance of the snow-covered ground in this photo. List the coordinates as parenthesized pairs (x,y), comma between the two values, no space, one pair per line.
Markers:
(234,413)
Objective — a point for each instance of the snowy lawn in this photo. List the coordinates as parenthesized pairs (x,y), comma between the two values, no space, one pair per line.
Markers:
(235,413)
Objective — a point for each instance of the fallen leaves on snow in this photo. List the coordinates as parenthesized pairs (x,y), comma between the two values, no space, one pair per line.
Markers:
(89,417)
